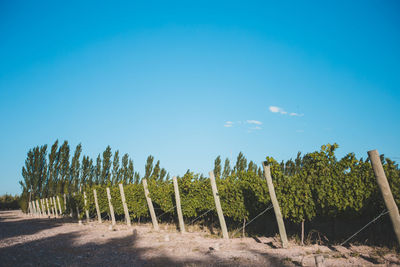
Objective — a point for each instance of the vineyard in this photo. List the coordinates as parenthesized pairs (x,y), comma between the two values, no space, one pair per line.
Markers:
(330,197)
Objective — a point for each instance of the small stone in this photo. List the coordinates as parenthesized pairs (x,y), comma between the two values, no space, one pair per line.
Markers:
(166,239)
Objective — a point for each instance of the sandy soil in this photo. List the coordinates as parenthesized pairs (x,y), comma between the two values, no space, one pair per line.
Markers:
(30,241)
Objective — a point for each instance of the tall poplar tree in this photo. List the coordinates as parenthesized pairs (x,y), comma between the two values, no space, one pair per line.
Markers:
(97,170)
(52,169)
(148,169)
(217,167)
(105,172)
(116,169)
(75,168)
(227,169)
(63,166)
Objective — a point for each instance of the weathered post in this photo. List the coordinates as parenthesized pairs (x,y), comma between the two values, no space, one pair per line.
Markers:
(38,208)
(86,209)
(111,207)
(34,207)
(43,206)
(65,202)
(150,205)
(277,209)
(127,218)
(52,207)
(178,205)
(385,190)
(97,205)
(48,207)
(29,208)
(59,205)
(218,206)
(55,206)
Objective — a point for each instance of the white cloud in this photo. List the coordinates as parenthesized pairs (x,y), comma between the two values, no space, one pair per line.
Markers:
(275,109)
(257,128)
(228,124)
(296,114)
(254,122)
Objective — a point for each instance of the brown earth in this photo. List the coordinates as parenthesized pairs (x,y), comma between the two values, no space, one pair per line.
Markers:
(32,241)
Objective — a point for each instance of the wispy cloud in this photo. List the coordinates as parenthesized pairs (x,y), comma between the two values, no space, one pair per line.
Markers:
(254,122)
(275,109)
(250,125)
(296,114)
(228,124)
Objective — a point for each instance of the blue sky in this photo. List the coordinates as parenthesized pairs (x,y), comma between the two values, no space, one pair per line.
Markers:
(186,82)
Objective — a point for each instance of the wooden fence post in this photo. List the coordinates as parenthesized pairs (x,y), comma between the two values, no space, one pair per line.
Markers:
(385,190)
(150,205)
(52,207)
(48,207)
(97,205)
(38,207)
(178,205)
(30,208)
(277,209)
(34,207)
(43,207)
(65,202)
(86,209)
(59,205)
(218,206)
(55,206)
(126,211)
(111,207)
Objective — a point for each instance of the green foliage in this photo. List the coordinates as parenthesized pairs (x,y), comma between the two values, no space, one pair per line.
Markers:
(9,202)
(314,185)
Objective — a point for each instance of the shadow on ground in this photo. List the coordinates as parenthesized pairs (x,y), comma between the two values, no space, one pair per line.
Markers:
(17,225)
(62,250)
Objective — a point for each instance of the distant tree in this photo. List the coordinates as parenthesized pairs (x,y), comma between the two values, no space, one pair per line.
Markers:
(137,178)
(124,168)
(85,173)
(116,170)
(241,164)
(252,167)
(97,170)
(130,172)
(63,166)
(163,174)
(74,170)
(227,169)
(52,170)
(105,173)
(149,167)
(156,171)
(35,171)
(217,167)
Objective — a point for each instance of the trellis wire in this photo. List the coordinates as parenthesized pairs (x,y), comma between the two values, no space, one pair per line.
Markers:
(201,216)
(261,213)
(167,211)
(365,226)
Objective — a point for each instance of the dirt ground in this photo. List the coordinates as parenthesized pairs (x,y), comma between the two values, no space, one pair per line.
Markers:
(32,241)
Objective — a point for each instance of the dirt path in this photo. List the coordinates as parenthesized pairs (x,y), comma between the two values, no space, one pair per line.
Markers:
(29,241)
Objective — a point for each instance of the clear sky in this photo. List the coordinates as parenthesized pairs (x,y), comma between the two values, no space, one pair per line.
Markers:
(186,82)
